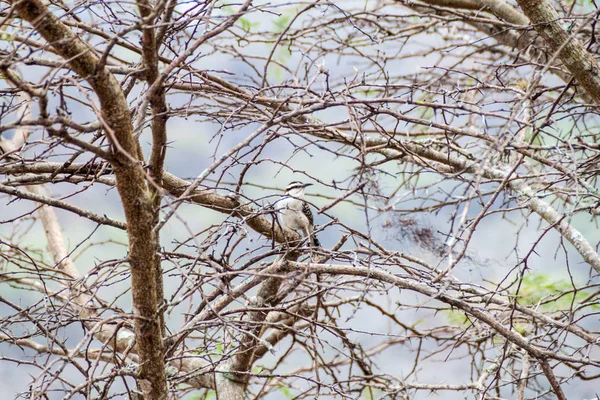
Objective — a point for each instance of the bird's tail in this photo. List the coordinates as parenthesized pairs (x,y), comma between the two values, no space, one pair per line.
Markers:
(315,241)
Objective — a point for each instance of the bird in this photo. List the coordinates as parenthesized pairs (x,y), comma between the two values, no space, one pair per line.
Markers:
(294,213)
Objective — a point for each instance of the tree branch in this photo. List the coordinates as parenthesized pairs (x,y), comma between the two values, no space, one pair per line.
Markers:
(571,52)
(131,184)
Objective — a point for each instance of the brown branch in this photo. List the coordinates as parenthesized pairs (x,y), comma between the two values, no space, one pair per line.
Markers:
(131,184)
(230,205)
(439,293)
(159,134)
(500,8)
(36,195)
(560,395)
(176,186)
(266,297)
(408,150)
(571,52)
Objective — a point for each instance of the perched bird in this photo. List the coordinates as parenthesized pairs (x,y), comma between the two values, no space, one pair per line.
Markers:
(294,213)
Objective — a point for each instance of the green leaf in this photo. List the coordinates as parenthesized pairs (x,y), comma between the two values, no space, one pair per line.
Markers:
(247,25)
(553,293)
(287,392)
(456,317)
(369,393)
(282,22)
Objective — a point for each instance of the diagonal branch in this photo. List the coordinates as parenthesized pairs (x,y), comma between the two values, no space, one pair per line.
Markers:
(40,197)
(571,52)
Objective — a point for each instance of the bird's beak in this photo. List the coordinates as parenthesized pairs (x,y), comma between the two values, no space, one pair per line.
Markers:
(307,184)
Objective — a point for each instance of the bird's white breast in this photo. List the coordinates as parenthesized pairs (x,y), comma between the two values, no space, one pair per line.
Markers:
(289,212)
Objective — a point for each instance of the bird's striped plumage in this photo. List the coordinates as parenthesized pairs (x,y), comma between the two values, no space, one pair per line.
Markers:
(294,213)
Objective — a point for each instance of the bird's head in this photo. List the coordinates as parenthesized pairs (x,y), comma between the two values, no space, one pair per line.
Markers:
(296,188)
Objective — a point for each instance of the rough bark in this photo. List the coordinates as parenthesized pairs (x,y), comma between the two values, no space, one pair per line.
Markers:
(571,52)
(159,134)
(131,184)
